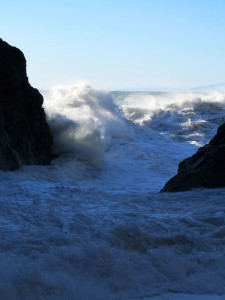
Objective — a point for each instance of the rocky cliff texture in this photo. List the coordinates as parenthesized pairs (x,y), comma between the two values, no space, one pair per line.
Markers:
(25,137)
(206,168)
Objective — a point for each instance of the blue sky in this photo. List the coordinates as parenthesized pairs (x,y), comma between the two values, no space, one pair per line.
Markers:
(118,44)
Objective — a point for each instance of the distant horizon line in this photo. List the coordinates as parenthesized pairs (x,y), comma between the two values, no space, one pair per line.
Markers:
(201,88)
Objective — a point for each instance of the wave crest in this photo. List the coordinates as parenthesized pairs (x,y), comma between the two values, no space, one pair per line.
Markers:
(83,121)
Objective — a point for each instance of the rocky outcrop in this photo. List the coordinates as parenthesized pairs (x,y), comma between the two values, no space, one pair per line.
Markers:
(205,169)
(25,137)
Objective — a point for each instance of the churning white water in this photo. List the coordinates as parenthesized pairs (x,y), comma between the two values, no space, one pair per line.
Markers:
(93,224)
(83,121)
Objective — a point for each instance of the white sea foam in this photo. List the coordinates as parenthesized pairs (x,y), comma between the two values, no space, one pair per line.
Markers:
(183,116)
(65,241)
(71,231)
(141,107)
(83,121)
(154,101)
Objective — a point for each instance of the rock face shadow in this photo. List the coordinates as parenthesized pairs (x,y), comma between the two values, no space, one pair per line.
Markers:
(25,137)
(205,169)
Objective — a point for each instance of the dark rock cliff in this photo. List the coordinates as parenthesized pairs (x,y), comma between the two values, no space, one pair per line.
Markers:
(206,168)
(25,137)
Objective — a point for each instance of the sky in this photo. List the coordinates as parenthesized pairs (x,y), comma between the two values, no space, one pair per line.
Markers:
(118,44)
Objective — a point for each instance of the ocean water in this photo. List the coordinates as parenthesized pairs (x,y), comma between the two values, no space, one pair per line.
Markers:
(93,224)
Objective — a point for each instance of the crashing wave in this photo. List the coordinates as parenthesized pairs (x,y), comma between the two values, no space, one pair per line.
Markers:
(83,121)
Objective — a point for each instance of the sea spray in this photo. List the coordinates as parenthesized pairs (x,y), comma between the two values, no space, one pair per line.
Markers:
(83,121)
(183,116)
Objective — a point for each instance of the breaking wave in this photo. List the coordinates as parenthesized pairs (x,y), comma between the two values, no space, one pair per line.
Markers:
(191,117)
(83,121)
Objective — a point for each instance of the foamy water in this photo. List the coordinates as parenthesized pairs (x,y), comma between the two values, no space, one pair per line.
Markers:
(92,225)
(83,121)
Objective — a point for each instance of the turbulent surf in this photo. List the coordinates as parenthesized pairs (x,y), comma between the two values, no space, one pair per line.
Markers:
(92,225)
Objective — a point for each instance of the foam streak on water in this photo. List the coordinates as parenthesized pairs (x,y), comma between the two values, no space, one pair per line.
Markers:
(92,225)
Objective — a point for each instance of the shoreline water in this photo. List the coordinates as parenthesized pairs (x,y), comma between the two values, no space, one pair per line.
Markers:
(84,231)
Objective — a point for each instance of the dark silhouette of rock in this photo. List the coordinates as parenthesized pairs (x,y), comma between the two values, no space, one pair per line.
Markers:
(205,169)
(25,137)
